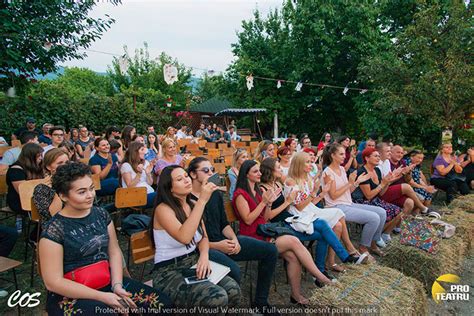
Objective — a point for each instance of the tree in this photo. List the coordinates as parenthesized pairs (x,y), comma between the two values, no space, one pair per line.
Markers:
(28,27)
(308,41)
(424,82)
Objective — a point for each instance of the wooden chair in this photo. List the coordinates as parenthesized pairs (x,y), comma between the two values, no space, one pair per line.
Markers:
(253,144)
(3,191)
(142,249)
(220,168)
(214,153)
(25,190)
(227,152)
(229,211)
(3,149)
(16,143)
(246,138)
(192,146)
(7,264)
(240,144)
(202,143)
(222,146)
(228,160)
(196,153)
(96,181)
(130,198)
(210,145)
(183,142)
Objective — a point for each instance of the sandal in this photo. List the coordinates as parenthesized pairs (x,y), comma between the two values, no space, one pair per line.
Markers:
(377,252)
(355,253)
(337,268)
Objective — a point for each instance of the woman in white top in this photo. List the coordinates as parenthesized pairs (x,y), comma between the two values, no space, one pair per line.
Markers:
(136,171)
(181,242)
(306,200)
(339,195)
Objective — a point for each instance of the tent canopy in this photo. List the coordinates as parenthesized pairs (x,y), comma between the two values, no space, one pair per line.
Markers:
(239,112)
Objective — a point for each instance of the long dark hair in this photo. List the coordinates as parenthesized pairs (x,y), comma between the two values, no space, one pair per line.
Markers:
(127,135)
(243,182)
(266,168)
(27,161)
(164,195)
(156,143)
(328,151)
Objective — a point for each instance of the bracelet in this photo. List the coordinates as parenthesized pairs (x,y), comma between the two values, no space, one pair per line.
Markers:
(113,286)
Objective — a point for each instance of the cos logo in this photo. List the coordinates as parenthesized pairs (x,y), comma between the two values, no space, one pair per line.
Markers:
(25,300)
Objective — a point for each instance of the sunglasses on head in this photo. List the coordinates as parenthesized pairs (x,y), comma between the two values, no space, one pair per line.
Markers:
(206,169)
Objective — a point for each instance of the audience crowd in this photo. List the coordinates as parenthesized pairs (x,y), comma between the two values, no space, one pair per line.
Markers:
(281,194)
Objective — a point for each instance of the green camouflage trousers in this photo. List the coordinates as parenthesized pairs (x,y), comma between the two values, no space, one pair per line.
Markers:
(170,281)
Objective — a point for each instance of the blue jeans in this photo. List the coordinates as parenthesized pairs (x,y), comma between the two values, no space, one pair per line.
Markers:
(8,237)
(150,199)
(108,186)
(325,236)
(251,249)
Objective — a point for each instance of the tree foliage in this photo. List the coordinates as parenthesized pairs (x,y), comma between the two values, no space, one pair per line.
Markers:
(424,81)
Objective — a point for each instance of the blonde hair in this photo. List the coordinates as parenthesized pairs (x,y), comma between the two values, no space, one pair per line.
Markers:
(262,146)
(297,166)
(167,141)
(236,156)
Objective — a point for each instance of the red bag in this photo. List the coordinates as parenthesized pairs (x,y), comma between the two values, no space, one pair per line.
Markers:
(95,276)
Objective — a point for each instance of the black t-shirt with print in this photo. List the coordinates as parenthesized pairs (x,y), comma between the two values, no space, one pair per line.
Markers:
(85,240)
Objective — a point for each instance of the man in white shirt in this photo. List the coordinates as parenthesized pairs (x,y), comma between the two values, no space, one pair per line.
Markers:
(181,134)
(232,134)
(11,155)
(57,137)
(384,164)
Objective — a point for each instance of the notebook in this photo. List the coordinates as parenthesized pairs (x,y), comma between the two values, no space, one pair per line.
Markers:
(218,271)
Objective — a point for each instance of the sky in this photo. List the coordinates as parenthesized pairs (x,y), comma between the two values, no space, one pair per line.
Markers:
(199,33)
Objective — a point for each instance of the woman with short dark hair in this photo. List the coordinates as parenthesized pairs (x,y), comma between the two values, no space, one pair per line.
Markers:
(81,261)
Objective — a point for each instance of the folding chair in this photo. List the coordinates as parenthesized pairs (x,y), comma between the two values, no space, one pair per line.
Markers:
(25,190)
(3,192)
(202,143)
(246,138)
(142,249)
(130,198)
(220,168)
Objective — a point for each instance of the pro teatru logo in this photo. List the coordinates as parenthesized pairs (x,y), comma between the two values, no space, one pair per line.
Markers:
(456,291)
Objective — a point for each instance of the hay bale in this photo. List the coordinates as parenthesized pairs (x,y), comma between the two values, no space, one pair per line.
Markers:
(365,286)
(465,203)
(427,267)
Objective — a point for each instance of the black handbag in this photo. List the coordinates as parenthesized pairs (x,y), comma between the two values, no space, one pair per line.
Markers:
(453,175)
(274,230)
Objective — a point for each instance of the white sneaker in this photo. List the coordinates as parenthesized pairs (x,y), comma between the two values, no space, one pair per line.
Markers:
(381,243)
(386,238)
(3,293)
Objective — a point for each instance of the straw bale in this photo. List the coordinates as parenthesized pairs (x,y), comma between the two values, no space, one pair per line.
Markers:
(386,290)
(427,267)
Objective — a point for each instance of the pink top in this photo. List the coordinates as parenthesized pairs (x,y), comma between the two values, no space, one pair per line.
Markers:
(340,181)
(248,230)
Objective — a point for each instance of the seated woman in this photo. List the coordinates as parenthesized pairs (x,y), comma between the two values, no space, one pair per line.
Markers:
(468,166)
(284,157)
(180,242)
(27,167)
(340,188)
(69,149)
(106,165)
(350,162)
(252,207)
(238,158)
(81,261)
(137,172)
(154,147)
(322,232)
(314,173)
(264,149)
(44,197)
(369,192)
(128,133)
(447,173)
(307,198)
(170,157)
(291,143)
(420,185)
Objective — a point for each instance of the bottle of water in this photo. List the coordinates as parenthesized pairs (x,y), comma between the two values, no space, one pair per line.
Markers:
(19,224)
